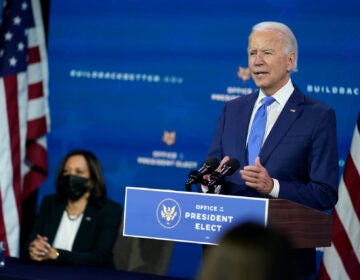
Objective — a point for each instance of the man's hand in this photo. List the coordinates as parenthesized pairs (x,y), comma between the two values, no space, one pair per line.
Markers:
(257,177)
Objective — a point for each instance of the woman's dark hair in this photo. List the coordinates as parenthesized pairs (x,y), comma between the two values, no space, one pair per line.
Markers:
(98,190)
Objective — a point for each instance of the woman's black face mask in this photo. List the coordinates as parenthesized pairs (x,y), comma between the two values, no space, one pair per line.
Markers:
(73,187)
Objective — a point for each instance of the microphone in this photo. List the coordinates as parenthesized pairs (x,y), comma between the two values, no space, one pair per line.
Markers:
(196,176)
(227,169)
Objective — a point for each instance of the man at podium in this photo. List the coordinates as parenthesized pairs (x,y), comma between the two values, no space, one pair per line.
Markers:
(285,141)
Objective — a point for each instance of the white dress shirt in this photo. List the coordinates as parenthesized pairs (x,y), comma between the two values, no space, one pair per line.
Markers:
(273,112)
(66,232)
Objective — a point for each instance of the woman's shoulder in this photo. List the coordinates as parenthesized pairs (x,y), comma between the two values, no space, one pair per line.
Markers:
(50,198)
(51,202)
(110,212)
(111,204)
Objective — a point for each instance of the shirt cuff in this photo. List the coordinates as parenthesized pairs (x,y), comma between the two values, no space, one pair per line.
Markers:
(276,189)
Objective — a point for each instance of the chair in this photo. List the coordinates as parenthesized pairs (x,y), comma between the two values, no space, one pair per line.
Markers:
(142,254)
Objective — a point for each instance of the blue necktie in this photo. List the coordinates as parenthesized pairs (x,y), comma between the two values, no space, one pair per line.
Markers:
(258,129)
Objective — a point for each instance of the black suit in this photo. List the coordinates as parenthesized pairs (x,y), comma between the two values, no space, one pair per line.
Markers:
(94,241)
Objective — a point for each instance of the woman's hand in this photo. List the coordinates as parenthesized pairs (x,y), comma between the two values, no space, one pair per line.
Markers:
(40,249)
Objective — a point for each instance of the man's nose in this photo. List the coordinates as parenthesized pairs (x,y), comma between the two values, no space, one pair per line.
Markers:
(258,59)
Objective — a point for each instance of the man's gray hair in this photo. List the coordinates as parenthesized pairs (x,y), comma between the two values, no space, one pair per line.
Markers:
(290,39)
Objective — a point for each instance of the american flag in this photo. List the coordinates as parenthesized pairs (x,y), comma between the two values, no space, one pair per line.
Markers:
(24,112)
(342,259)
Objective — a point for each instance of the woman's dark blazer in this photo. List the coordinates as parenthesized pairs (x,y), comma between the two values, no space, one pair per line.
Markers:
(94,241)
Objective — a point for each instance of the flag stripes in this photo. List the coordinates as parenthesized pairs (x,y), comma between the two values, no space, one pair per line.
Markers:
(24,113)
(342,259)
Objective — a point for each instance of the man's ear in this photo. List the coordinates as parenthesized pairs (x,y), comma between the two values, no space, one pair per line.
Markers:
(291,61)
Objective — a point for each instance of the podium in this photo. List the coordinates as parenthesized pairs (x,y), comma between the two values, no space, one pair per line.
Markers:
(304,226)
(204,218)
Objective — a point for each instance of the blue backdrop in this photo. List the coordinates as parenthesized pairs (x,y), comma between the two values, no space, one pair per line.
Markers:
(141,83)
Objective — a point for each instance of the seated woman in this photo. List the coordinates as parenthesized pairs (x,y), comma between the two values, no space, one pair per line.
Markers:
(77,225)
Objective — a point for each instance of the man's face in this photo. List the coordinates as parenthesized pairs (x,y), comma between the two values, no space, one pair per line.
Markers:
(269,65)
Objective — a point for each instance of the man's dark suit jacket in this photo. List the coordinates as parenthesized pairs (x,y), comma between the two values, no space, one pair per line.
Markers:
(300,152)
(94,241)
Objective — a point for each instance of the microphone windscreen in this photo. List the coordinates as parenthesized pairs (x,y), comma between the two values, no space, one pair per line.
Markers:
(213,163)
(233,165)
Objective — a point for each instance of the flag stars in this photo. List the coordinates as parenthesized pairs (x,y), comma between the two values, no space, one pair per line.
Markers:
(13,61)
(8,36)
(17,20)
(21,46)
(24,6)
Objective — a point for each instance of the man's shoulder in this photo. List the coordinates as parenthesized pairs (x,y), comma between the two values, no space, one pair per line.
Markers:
(309,102)
(317,105)
(243,99)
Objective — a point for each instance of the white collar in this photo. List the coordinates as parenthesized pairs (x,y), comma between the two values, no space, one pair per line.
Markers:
(281,96)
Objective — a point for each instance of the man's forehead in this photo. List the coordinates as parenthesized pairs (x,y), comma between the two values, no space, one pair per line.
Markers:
(265,39)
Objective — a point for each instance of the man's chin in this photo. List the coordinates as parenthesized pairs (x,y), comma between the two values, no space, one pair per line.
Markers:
(261,83)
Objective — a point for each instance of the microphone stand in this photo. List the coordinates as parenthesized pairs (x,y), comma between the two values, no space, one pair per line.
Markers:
(211,189)
(204,182)
(188,187)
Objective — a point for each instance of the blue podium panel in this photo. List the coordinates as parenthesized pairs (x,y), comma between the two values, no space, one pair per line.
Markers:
(187,216)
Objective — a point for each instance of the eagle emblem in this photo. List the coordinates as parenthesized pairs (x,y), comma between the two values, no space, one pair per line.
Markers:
(244,73)
(168,213)
(169,137)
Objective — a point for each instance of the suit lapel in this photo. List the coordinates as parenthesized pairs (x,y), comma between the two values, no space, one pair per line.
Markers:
(55,219)
(86,226)
(244,123)
(287,117)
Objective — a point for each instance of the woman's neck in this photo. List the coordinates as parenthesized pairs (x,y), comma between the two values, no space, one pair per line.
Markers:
(75,208)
